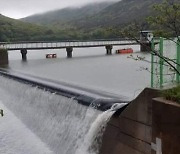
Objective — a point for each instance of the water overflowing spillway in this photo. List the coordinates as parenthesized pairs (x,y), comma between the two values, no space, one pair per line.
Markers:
(62,124)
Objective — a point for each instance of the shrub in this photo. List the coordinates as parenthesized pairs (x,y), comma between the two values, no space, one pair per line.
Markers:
(173,94)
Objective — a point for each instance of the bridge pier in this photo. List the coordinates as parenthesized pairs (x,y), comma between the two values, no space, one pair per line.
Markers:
(109,49)
(24,54)
(3,57)
(69,51)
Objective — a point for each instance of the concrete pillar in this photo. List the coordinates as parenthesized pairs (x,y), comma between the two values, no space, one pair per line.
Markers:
(165,126)
(109,49)
(24,53)
(69,52)
(3,57)
(145,47)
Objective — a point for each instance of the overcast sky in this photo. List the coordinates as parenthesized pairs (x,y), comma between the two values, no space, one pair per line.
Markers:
(21,8)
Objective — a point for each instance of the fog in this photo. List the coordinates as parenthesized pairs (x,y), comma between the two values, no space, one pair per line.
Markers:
(22,8)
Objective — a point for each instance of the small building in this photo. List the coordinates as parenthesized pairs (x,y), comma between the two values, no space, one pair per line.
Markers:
(146,36)
(145,40)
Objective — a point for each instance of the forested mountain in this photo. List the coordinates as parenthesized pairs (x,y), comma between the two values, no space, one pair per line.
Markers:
(15,30)
(96,15)
(93,21)
(67,14)
(11,29)
(118,14)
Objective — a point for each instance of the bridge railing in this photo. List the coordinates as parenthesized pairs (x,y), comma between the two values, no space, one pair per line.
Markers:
(92,40)
(63,44)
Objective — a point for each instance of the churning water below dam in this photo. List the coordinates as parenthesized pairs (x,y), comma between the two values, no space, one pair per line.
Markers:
(59,124)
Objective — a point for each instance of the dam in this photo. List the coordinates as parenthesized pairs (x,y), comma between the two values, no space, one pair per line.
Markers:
(60,116)
(91,104)
(60,122)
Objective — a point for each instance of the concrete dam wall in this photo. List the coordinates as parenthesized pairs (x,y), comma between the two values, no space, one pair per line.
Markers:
(67,121)
(130,132)
(82,121)
(145,126)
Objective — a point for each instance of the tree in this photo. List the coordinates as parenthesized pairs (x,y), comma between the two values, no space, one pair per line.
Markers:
(166,20)
(165,23)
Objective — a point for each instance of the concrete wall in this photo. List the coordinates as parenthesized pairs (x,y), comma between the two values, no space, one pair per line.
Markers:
(145,122)
(131,133)
(3,57)
(166,125)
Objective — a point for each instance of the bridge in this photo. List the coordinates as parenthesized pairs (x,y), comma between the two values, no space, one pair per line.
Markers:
(68,45)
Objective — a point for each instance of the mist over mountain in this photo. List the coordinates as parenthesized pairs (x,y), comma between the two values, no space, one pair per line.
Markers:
(91,21)
(96,15)
(67,14)
(118,14)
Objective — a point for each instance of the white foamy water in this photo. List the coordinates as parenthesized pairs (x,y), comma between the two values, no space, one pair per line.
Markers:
(16,138)
(59,122)
(55,124)
(93,140)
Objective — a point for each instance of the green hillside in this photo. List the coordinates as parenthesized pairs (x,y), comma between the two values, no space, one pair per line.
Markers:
(96,15)
(11,29)
(118,14)
(93,21)
(15,30)
(67,14)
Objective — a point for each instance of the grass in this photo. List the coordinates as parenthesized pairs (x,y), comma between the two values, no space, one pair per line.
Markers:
(173,94)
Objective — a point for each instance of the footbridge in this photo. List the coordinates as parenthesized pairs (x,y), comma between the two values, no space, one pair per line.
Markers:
(68,45)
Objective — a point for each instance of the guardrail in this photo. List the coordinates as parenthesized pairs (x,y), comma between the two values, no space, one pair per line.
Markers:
(63,44)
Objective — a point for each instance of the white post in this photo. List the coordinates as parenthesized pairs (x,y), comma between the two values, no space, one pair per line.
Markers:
(158,146)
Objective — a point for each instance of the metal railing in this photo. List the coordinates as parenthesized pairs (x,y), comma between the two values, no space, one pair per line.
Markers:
(162,71)
(63,44)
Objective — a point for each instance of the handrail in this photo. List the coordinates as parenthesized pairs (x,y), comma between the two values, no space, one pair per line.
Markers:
(94,40)
(53,45)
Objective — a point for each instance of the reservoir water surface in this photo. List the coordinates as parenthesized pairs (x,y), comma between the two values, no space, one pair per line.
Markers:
(89,68)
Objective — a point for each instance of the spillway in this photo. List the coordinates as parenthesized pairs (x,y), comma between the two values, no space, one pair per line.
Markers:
(64,124)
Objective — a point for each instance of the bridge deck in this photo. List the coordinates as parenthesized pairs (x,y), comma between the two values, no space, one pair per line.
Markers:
(59,45)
